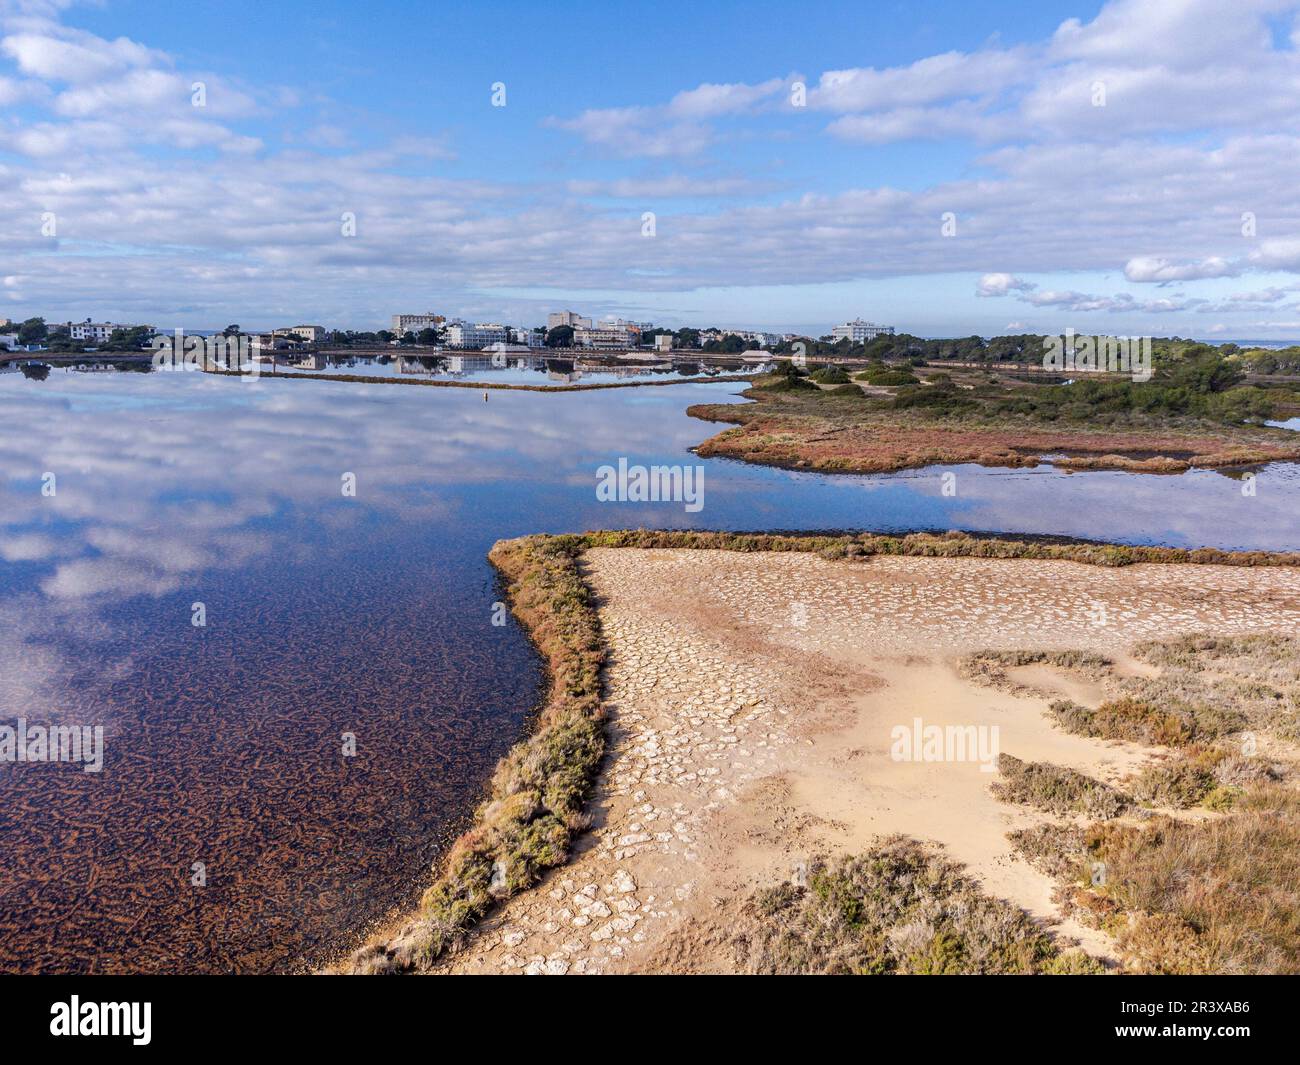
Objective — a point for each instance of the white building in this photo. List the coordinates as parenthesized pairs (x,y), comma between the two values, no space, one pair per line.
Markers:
(857,331)
(93,332)
(476,337)
(664,342)
(607,335)
(755,336)
(556,319)
(413,323)
(309,334)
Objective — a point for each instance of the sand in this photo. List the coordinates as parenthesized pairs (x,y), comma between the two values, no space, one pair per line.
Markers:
(752,700)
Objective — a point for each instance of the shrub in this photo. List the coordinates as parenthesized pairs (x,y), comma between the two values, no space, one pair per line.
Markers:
(1056,789)
(830,375)
(902,907)
(1140,721)
(1220,895)
(889,378)
(1180,782)
(786,383)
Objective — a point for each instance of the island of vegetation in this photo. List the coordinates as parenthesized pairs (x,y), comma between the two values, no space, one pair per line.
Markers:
(1203,407)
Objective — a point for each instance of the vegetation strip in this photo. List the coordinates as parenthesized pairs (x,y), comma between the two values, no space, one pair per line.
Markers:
(534,807)
(361,379)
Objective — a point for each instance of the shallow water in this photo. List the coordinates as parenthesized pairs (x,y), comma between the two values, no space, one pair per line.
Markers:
(369,614)
(539,371)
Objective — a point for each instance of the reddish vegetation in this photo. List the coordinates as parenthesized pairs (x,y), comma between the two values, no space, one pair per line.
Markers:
(820,435)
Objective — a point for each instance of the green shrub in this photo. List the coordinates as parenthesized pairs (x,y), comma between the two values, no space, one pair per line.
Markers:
(786,383)
(830,375)
(888,378)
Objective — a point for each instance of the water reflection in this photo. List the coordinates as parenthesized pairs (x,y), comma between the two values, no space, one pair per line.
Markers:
(330,614)
(540,370)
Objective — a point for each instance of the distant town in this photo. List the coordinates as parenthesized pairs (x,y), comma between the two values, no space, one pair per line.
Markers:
(565,330)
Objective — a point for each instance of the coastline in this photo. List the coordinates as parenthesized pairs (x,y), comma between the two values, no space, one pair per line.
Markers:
(537,806)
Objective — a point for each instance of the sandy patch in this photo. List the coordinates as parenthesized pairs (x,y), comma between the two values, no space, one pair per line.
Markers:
(752,700)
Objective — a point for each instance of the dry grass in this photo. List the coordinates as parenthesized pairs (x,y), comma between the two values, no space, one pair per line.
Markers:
(1231,683)
(936,545)
(1130,719)
(1219,896)
(1057,790)
(902,908)
(1216,895)
(1209,688)
(989,668)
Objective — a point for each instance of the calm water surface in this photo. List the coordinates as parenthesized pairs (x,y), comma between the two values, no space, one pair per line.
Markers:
(539,371)
(370,615)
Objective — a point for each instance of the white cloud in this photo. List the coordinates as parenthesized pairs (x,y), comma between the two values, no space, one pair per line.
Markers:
(948,76)
(1153,268)
(1001,284)
(708,101)
(61,54)
(637,131)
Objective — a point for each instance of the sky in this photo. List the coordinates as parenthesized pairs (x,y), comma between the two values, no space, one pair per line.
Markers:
(947,168)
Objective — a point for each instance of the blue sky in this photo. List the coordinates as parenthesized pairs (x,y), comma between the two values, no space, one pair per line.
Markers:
(1167,207)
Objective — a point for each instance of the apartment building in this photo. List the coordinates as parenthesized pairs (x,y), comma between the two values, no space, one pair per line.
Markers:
(93,332)
(609,335)
(857,331)
(475,337)
(413,323)
(308,334)
(556,319)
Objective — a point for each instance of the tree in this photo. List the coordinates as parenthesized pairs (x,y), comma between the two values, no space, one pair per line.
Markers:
(560,337)
(60,339)
(132,338)
(428,337)
(1203,371)
(32,331)
(230,331)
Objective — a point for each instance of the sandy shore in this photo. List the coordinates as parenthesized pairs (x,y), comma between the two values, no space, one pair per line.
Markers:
(752,698)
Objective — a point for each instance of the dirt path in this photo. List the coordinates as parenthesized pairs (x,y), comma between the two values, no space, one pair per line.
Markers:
(753,698)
